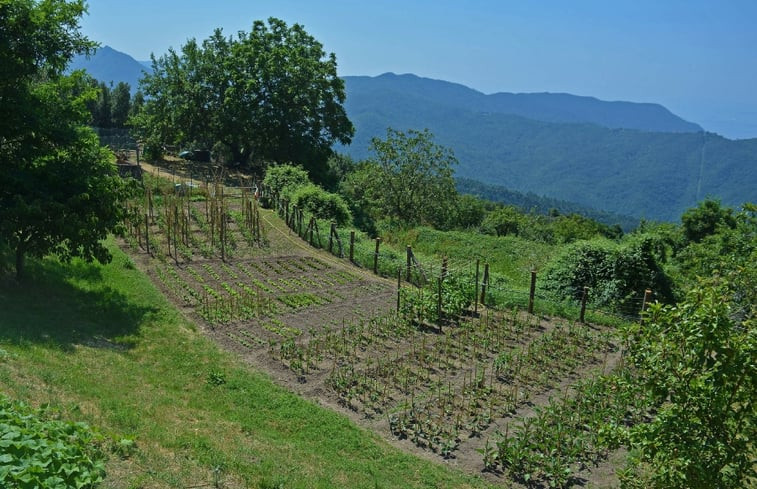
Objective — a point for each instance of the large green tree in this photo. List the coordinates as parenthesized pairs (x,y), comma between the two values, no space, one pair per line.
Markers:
(409,180)
(60,191)
(270,95)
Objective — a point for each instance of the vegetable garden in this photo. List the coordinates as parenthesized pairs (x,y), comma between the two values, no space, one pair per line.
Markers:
(497,387)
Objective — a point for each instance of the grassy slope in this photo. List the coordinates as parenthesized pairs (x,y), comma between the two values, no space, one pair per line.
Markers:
(104,345)
(510,256)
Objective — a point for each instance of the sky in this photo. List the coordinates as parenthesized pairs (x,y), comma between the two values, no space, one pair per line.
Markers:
(697,58)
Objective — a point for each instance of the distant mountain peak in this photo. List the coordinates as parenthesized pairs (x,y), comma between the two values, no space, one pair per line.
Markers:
(542,106)
(111,66)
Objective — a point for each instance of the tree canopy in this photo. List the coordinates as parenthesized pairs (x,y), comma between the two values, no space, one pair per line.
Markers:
(270,95)
(61,192)
(409,180)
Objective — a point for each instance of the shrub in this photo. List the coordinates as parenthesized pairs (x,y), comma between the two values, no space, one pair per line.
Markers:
(322,204)
(285,179)
(616,274)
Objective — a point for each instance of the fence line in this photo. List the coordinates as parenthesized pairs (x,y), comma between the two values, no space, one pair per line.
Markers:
(489,289)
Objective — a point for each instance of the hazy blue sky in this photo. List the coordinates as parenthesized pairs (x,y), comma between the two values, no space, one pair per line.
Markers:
(698,58)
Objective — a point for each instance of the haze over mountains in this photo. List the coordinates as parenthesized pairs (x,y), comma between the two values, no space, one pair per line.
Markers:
(628,158)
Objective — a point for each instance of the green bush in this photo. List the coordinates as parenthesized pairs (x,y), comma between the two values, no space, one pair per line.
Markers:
(37,450)
(322,204)
(616,274)
(285,179)
(421,304)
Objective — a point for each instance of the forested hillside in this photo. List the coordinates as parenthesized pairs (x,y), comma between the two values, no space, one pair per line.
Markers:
(656,175)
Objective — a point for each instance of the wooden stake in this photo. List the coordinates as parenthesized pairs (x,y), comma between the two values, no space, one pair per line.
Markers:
(475,287)
(532,292)
(375,256)
(352,246)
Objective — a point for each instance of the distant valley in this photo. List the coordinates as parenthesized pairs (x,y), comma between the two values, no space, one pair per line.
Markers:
(627,158)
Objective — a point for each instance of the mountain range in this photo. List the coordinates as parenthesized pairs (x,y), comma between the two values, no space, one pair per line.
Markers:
(627,158)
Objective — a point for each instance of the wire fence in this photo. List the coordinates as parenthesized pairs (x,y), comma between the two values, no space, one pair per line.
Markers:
(484,287)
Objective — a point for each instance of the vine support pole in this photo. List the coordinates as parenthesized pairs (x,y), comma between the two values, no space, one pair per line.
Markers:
(584,297)
(439,302)
(475,287)
(375,256)
(532,292)
(352,246)
(409,251)
(399,286)
(147,234)
(485,283)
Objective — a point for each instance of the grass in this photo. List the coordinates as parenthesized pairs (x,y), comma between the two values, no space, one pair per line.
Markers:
(105,347)
(510,256)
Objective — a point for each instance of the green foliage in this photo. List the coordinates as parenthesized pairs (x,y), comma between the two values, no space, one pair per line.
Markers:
(322,204)
(503,221)
(285,179)
(705,219)
(120,104)
(39,450)
(616,274)
(469,212)
(528,202)
(38,42)
(409,181)
(61,193)
(729,248)
(422,304)
(268,95)
(697,360)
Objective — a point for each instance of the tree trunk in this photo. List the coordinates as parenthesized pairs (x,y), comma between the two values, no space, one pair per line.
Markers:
(20,260)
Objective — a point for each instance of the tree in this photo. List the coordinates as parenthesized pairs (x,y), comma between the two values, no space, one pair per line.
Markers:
(409,180)
(137,102)
(120,101)
(704,220)
(270,95)
(616,273)
(285,179)
(322,204)
(60,190)
(35,41)
(102,116)
(504,221)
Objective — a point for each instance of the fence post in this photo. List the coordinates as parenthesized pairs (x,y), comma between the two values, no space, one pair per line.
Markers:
(645,302)
(475,287)
(331,235)
(532,292)
(584,296)
(375,256)
(409,251)
(147,234)
(352,246)
(312,226)
(444,268)
(485,283)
